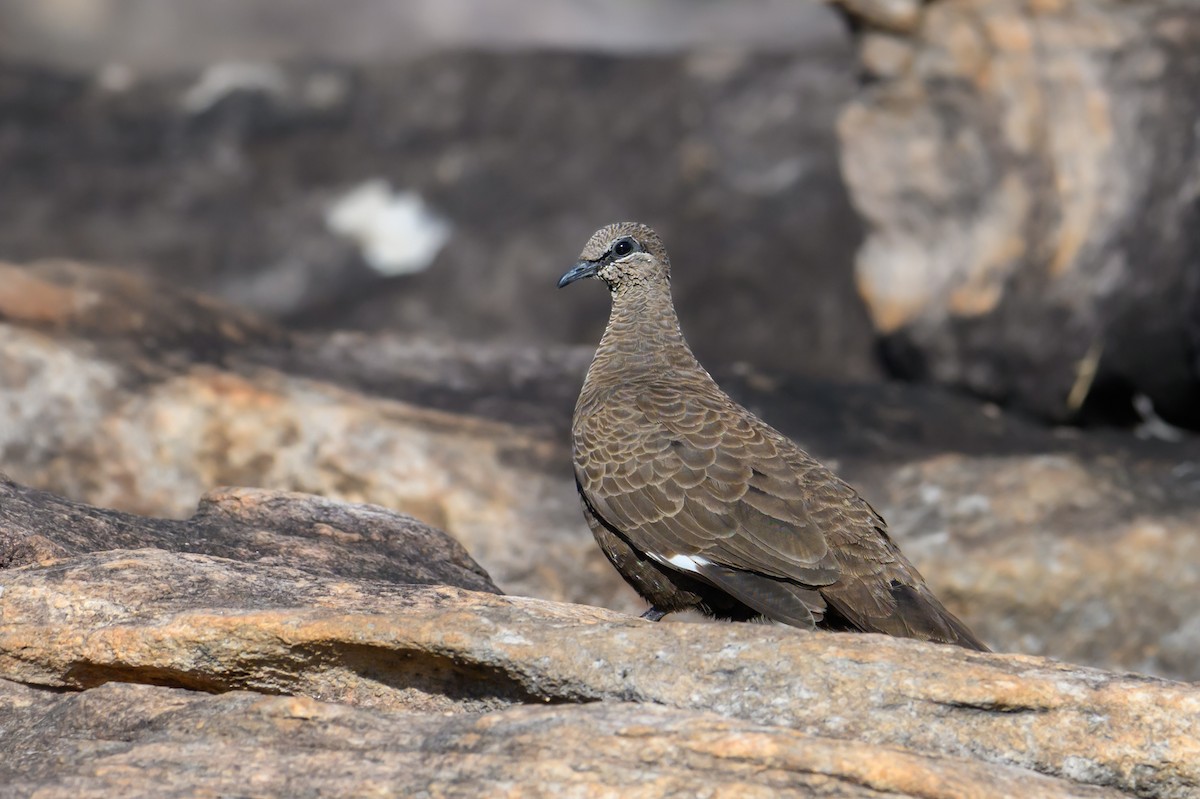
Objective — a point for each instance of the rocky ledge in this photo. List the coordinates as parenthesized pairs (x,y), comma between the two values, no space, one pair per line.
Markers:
(285,666)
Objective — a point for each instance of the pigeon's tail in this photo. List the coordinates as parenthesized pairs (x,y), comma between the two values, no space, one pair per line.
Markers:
(917,614)
(925,615)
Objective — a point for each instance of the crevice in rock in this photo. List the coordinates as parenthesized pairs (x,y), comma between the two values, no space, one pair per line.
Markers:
(476,686)
(47,689)
(992,707)
(431,680)
(83,676)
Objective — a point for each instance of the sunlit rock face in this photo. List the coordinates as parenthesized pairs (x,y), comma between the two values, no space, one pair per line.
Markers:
(1029,177)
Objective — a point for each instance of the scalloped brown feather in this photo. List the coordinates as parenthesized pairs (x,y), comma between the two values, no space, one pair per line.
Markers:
(699,503)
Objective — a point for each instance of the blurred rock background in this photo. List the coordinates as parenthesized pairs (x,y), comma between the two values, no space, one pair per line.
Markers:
(994,202)
(208,145)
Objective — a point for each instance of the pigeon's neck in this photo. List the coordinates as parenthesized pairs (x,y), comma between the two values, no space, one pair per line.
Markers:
(643,334)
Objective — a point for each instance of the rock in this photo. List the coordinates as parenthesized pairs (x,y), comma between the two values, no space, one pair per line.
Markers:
(1029,178)
(1077,546)
(142,410)
(319,536)
(181,34)
(138,740)
(897,15)
(239,165)
(1059,553)
(885,55)
(193,621)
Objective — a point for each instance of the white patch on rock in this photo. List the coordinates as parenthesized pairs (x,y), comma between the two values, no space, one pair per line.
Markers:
(1152,425)
(511,638)
(223,79)
(1085,770)
(396,232)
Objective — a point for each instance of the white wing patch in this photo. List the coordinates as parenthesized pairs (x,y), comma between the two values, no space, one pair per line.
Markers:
(687,563)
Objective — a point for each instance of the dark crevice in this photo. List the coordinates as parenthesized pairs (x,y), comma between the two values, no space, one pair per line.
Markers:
(991,707)
(429,674)
(457,679)
(475,686)
(46,689)
(478,686)
(92,675)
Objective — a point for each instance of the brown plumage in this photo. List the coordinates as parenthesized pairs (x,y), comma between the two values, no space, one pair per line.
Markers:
(699,503)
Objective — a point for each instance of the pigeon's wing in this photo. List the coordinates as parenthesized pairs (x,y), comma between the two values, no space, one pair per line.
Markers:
(701,485)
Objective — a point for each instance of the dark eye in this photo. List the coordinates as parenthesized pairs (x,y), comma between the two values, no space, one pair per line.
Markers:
(622,248)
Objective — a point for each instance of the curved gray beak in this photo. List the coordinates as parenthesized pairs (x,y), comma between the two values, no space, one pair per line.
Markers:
(578,272)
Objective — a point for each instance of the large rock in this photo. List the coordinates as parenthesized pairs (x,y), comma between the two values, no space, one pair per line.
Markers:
(161,395)
(225,179)
(146,741)
(1082,547)
(1029,176)
(194,621)
(316,535)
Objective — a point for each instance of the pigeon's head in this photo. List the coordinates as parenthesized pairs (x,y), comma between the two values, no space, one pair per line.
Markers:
(622,255)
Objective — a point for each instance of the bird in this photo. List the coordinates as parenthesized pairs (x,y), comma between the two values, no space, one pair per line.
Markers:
(699,504)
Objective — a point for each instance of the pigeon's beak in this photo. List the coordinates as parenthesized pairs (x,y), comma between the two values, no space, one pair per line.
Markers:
(578,272)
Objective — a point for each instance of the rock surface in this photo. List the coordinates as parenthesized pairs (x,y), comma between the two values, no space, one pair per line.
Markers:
(224,179)
(1029,176)
(197,622)
(214,398)
(1095,558)
(319,536)
(137,740)
(1082,547)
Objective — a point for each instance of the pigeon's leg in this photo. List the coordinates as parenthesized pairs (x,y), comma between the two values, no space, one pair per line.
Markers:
(654,614)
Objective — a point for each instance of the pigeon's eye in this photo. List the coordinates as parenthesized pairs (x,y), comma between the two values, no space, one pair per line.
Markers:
(622,248)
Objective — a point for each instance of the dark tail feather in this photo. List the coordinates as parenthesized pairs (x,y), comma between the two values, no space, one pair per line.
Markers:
(921,612)
(917,614)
